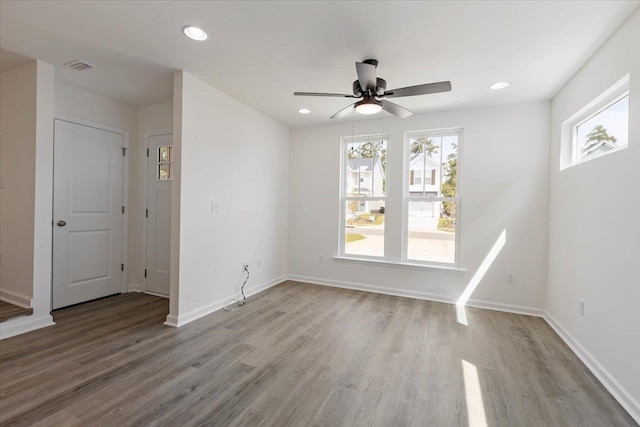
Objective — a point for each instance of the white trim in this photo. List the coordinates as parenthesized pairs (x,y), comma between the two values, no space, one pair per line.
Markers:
(22,325)
(183,319)
(416,265)
(487,305)
(15,298)
(125,187)
(628,402)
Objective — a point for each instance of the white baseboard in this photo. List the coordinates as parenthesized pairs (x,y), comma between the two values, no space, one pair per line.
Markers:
(517,309)
(134,287)
(15,298)
(156,294)
(21,325)
(628,402)
(172,321)
(183,319)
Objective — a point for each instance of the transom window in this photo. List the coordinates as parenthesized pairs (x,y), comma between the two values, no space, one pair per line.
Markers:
(601,127)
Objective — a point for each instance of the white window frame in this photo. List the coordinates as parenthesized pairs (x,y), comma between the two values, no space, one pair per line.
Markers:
(344,198)
(406,198)
(569,155)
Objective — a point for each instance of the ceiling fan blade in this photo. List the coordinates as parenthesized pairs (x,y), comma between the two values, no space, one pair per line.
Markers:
(342,112)
(419,90)
(395,109)
(337,95)
(366,76)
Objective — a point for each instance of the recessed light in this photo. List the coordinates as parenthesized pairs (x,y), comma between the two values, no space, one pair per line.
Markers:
(195,33)
(304,111)
(499,85)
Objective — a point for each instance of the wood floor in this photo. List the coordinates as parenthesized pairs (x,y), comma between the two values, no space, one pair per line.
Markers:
(9,311)
(298,355)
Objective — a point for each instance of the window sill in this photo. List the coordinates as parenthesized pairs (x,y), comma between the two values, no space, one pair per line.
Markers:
(400,264)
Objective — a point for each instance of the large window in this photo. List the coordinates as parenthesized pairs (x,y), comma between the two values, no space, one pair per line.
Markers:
(423,200)
(364,164)
(599,128)
(431,196)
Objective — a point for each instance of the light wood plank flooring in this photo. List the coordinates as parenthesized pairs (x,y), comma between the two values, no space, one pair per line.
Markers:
(298,355)
(9,311)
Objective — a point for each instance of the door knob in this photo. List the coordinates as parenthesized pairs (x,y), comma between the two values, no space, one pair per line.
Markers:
(62,223)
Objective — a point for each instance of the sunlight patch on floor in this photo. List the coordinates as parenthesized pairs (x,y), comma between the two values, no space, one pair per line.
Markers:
(473,396)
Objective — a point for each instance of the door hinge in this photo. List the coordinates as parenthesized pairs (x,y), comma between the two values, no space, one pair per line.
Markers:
(121,267)
(124,151)
(147,152)
(145,272)
(146,213)
(123,209)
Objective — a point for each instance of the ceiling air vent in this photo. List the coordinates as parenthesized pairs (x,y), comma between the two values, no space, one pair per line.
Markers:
(79,65)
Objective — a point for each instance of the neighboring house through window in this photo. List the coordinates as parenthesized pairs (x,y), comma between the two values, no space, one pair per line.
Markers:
(429,203)
(431,198)
(363,196)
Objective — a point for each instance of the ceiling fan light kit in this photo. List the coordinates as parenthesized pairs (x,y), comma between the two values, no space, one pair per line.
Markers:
(368,106)
(373,90)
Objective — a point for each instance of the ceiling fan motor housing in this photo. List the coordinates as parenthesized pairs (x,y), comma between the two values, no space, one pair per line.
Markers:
(381,86)
(357,90)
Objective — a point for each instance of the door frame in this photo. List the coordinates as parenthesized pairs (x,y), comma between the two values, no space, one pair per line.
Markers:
(146,201)
(125,191)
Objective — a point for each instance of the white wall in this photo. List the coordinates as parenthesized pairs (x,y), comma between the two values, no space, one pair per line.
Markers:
(18,103)
(594,229)
(151,120)
(26,164)
(239,157)
(503,186)
(88,106)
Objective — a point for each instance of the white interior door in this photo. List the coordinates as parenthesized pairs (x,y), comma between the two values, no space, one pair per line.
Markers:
(87,213)
(159,176)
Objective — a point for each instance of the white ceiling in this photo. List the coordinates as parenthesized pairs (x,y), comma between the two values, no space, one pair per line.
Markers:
(261,52)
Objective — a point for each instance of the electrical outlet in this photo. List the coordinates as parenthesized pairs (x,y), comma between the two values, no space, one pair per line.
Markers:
(321,259)
(215,206)
(259,263)
(511,279)
(581,307)
(245,265)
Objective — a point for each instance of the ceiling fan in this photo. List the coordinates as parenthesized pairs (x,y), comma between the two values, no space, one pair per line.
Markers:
(372,90)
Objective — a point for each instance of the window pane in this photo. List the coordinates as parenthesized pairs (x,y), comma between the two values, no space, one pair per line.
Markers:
(606,131)
(165,154)
(366,164)
(449,166)
(432,231)
(433,166)
(424,166)
(164,172)
(364,234)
